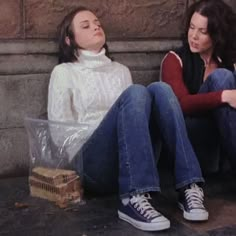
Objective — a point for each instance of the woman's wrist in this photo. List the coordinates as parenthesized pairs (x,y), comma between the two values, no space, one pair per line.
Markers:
(225,96)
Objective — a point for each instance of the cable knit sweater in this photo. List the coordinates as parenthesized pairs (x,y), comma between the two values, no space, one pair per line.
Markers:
(82,92)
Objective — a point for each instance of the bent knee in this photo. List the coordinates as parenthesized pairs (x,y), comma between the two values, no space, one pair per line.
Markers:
(137,91)
(222,78)
(221,72)
(160,88)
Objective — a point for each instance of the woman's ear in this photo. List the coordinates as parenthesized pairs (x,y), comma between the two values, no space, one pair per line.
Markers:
(67,40)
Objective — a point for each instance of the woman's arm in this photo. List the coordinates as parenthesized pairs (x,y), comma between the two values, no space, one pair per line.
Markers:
(172,73)
(127,78)
(60,96)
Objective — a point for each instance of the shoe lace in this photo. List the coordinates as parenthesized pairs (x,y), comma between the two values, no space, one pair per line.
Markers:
(141,203)
(194,196)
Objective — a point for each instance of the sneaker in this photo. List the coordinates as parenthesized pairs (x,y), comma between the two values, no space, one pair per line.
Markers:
(140,213)
(191,203)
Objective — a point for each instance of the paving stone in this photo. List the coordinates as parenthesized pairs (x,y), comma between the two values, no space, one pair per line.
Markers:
(99,216)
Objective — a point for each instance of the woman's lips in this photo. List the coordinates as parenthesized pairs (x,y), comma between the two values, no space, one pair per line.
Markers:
(98,34)
(194,45)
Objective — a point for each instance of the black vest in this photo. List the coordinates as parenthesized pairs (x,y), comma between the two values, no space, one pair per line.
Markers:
(193,68)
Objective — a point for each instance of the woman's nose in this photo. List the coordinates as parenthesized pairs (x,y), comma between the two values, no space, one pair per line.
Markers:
(195,34)
(96,27)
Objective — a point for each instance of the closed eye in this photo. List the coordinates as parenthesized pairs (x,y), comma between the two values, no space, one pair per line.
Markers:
(203,31)
(191,26)
(97,22)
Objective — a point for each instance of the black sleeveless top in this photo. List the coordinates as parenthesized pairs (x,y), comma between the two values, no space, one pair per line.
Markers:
(193,68)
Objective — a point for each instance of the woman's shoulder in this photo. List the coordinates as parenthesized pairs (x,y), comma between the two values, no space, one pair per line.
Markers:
(172,57)
(119,66)
(186,57)
(63,67)
(183,51)
(62,75)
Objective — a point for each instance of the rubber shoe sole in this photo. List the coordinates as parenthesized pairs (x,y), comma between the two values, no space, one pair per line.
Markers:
(154,226)
(194,216)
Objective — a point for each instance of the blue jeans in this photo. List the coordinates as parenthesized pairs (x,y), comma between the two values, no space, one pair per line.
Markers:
(119,155)
(218,127)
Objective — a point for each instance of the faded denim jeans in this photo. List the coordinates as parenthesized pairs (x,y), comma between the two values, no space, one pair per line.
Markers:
(217,128)
(119,155)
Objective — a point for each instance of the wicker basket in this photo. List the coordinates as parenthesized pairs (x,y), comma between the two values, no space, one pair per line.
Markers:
(57,185)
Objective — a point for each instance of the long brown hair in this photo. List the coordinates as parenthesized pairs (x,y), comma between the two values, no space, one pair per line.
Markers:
(221,27)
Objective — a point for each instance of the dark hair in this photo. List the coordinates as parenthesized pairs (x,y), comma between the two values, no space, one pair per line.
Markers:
(221,27)
(66,52)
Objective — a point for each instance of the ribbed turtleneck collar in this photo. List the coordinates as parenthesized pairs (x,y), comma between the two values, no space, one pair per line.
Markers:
(91,60)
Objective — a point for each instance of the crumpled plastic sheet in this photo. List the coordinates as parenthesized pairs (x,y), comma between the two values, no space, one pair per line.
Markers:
(55,144)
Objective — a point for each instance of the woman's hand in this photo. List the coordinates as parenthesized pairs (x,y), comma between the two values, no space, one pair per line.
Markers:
(229,96)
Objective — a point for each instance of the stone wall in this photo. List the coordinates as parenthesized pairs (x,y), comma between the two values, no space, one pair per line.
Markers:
(139,32)
(122,19)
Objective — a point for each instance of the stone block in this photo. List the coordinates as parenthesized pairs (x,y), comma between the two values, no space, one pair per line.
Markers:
(145,77)
(137,46)
(121,19)
(231,3)
(22,95)
(11,24)
(14,156)
(38,64)
(139,60)
(49,47)
(26,64)
(18,47)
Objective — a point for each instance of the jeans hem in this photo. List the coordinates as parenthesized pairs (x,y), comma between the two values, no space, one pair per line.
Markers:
(190,181)
(140,191)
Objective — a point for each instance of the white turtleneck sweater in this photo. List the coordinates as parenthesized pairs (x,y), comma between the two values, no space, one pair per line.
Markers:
(82,92)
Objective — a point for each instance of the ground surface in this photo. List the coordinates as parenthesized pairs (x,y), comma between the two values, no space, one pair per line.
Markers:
(98,215)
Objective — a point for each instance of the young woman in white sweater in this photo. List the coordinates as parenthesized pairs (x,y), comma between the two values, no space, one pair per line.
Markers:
(87,87)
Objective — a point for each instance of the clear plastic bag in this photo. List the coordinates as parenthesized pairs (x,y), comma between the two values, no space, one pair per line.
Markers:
(53,145)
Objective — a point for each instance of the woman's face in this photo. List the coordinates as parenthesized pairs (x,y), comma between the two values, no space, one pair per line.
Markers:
(88,32)
(198,37)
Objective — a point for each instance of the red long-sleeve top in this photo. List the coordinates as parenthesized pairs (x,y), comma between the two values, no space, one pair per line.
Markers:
(172,73)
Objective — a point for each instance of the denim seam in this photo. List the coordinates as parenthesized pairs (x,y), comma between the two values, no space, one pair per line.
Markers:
(182,145)
(192,180)
(127,164)
(141,191)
